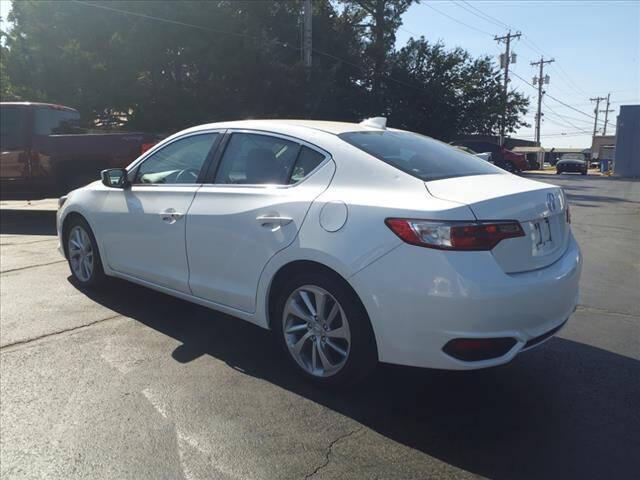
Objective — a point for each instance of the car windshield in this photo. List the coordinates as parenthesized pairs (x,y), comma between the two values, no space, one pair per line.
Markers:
(419,156)
(573,156)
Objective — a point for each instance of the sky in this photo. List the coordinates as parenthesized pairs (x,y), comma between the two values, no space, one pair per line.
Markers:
(595,45)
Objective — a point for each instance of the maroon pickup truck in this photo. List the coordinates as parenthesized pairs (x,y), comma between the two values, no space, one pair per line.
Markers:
(43,151)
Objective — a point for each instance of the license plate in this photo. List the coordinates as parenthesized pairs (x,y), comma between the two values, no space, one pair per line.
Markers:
(542,233)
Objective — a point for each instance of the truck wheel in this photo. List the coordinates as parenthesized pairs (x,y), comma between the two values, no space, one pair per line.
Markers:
(509,167)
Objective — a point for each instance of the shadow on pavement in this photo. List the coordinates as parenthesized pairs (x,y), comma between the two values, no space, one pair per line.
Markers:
(27,222)
(564,410)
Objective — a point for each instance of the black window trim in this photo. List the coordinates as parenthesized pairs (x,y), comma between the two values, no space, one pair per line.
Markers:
(215,164)
(132,170)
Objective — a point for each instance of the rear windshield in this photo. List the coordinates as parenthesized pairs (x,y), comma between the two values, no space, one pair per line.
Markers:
(417,155)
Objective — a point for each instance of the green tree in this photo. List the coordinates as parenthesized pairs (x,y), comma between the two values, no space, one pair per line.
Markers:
(165,65)
(445,93)
(377,22)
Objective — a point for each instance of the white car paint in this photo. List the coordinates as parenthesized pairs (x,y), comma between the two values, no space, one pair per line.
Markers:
(221,253)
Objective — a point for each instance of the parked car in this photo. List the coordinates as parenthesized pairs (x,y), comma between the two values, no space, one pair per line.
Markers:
(486,156)
(46,153)
(500,156)
(572,162)
(353,243)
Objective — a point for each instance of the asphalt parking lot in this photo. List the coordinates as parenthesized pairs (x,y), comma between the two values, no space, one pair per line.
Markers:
(127,383)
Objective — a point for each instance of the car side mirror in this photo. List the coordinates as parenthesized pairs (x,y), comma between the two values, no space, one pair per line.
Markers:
(114,178)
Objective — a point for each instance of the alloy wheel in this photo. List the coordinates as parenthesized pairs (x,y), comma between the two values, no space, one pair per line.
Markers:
(81,255)
(316,331)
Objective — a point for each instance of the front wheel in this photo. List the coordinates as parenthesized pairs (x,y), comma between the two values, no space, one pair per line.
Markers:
(324,329)
(82,253)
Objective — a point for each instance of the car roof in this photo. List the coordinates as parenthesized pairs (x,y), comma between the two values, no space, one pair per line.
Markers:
(335,128)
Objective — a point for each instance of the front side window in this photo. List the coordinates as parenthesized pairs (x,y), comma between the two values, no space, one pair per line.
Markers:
(254,159)
(12,128)
(52,121)
(180,162)
(419,156)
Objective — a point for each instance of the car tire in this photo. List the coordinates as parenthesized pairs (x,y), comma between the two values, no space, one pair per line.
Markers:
(340,306)
(82,253)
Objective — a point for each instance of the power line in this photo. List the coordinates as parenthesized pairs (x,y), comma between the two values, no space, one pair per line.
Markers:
(562,117)
(554,98)
(456,20)
(484,15)
(528,41)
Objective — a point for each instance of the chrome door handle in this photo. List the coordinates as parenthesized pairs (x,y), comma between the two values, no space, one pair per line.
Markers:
(266,220)
(171,216)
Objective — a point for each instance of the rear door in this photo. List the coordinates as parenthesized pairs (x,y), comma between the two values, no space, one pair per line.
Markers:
(142,228)
(260,193)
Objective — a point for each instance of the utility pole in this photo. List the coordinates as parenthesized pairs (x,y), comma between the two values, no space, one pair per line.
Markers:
(606,114)
(596,110)
(541,79)
(307,37)
(504,62)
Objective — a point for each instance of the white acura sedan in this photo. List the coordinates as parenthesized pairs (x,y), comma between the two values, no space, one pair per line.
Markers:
(354,243)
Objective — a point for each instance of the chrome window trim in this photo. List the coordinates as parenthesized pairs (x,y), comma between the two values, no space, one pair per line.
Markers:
(165,143)
(268,133)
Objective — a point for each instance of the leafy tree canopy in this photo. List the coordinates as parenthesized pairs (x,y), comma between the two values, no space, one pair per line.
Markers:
(165,65)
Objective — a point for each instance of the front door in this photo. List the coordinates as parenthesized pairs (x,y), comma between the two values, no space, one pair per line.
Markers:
(142,228)
(15,167)
(261,193)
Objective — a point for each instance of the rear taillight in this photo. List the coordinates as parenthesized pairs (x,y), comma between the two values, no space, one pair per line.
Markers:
(454,235)
(568,214)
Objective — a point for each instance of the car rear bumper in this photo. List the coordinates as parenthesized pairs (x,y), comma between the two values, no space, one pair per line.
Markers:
(420,299)
(571,168)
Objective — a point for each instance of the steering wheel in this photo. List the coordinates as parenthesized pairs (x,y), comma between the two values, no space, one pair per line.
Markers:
(188,175)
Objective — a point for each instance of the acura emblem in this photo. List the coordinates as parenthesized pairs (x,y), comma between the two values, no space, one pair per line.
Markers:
(551,202)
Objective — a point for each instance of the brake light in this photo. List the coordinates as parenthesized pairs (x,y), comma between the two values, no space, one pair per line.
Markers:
(454,235)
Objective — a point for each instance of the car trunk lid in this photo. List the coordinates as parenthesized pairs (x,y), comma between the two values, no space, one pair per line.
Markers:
(540,208)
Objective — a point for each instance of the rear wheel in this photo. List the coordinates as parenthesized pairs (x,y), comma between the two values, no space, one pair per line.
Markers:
(82,253)
(324,329)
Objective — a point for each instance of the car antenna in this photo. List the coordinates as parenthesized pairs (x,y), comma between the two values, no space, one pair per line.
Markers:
(375,122)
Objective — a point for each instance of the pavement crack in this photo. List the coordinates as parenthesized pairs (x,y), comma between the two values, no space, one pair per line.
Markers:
(329,451)
(32,266)
(605,311)
(59,332)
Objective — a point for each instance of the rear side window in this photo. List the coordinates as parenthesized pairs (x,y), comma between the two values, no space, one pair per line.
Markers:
(419,156)
(307,161)
(253,159)
(12,128)
(51,121)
